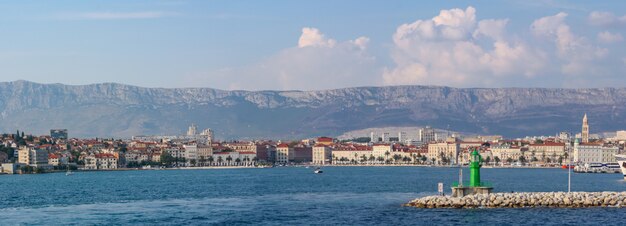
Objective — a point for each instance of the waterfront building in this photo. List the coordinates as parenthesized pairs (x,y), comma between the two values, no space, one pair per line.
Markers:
(33,157)
(283,153)
(53,159)
(585,130)
(505,152)
(204,152)
(242,146)
(352,154)
(381,150)
(545,150)
(302,154)
(322,154)
(588,152)
(608,154)
(101,161)
(444,152)
(191,153)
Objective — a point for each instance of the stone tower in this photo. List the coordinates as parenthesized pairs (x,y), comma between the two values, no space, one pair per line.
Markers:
(585,132)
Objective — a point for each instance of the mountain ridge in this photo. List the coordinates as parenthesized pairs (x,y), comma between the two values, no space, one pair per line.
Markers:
(234,114)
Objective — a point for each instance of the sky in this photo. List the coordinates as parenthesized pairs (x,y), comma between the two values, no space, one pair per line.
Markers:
(315,45)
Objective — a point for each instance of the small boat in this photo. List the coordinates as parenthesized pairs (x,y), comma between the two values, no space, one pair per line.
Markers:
(318,170)
(567,166)
(69,172)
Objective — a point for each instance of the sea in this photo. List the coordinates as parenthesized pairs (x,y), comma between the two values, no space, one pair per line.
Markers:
(286,196)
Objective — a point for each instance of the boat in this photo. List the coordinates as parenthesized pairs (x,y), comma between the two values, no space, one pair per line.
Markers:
(318,170)
(567,166)
(69,172)
(621,160)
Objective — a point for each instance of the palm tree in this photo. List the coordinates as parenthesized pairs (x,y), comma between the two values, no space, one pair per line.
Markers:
(372,159)
(396,157)
(202,160)
(211,160)
(424,158)
(355,156)
(255,159)
(387,156)
(497,159)
(237,161)
(363,158)
(380,159)
(334,159)
(229,159)
(219,160)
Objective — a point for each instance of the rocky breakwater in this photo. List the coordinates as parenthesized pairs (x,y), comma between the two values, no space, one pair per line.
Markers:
(525,200)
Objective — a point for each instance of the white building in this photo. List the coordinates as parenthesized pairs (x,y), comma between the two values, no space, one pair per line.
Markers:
(588,153)
(447,150)
(322,154)
(33,157)
(427,135)
(284,153)
(101,162)
(191,153)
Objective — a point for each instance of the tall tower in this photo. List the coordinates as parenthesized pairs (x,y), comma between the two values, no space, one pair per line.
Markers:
(585,132)
(193,130)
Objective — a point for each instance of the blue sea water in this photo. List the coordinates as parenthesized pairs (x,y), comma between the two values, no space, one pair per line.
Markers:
(285,196)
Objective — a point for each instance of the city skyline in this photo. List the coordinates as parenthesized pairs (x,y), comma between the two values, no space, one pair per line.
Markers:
(284,45)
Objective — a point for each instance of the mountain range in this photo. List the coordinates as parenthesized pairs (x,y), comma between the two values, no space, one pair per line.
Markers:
(118,110)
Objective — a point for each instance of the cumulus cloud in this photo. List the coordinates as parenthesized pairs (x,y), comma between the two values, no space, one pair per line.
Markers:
(452,48)
(313,37)
(449,49)
(608,37)
(577,53)
(317,62)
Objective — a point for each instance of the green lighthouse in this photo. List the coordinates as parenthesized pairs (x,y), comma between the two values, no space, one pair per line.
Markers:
(475,185)
(475,163)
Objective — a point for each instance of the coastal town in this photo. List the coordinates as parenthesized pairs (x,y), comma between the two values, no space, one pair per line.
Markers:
(21,153)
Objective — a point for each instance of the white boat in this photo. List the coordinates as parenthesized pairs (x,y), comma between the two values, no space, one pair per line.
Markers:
(621,160)
(69,172)
(318,170)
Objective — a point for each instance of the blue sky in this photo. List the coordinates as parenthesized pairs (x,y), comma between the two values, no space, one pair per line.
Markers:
(309,45)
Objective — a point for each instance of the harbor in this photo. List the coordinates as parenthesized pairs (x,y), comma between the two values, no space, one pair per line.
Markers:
(478,194)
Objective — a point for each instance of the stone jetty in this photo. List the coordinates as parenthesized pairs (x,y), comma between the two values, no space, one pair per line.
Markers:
(525,200)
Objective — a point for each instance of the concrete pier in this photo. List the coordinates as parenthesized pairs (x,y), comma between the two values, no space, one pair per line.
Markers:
(525,200)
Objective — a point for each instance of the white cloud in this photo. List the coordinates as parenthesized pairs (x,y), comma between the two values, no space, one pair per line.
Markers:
(608,37)
(494,29)
(450,49)
(120,15)
(576,52)
(317,62)
(598,18)
(313,37)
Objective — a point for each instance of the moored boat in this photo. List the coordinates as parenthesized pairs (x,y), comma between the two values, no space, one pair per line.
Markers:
(621,160)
